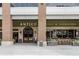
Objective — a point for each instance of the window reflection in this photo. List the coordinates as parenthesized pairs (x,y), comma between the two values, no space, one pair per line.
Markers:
(47,4)
(24,4)
(62,34)
(62,4)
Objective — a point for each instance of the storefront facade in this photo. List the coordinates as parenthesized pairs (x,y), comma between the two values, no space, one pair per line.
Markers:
(39,25)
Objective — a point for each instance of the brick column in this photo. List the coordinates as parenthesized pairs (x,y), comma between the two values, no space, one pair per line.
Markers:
(42,24)
(6,25)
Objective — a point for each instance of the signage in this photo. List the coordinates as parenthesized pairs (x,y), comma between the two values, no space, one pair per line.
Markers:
(49,23)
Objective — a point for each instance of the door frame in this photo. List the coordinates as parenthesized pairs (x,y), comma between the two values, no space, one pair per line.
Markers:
(27,28)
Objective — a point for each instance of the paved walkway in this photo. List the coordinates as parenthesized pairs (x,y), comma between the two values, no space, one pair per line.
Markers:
(32,49)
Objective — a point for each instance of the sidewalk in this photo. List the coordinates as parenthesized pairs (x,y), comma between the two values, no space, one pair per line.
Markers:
(26,49)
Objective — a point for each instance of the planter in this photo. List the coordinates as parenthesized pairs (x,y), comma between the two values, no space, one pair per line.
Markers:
(76,43)
(52,43)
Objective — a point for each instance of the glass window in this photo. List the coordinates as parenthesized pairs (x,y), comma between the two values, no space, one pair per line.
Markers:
(66,34)
(24,4)
(0,4)
(62,4)
(48,34)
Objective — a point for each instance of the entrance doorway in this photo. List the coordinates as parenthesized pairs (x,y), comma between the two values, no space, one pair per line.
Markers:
(15,37)
(28,35)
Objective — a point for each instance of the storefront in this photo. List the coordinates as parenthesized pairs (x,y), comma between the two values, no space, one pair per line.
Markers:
(64,31)
(39,24)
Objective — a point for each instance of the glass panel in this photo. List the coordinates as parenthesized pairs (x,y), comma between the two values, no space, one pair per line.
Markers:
(51,34)
(0,35)
(28,32)
(48,34)
(15,36)
(62,4)
(0,4)
(66,34)
(24,4)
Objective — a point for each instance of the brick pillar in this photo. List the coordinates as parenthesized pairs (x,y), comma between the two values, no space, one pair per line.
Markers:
(6,25)
(42,24)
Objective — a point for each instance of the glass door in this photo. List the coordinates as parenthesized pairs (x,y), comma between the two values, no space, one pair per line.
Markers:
(15,37)
(28,35)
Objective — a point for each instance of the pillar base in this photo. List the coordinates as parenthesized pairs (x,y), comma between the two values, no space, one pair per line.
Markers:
(40,43)
(6,43)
